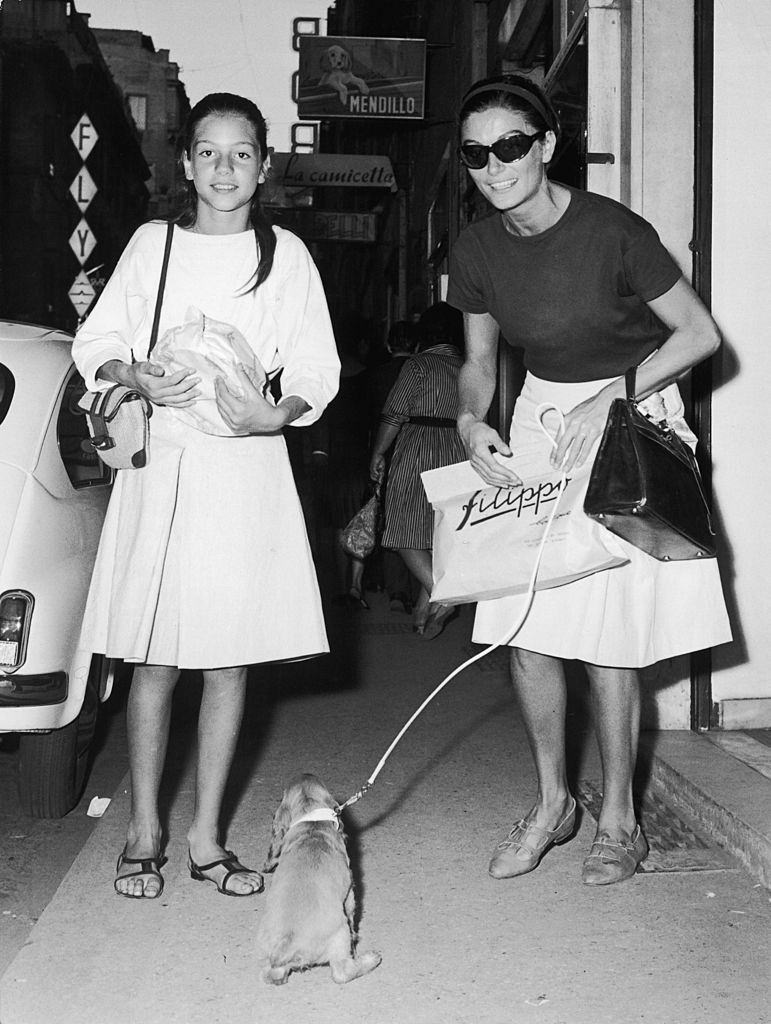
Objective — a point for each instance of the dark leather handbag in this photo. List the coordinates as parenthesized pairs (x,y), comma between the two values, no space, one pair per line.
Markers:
(645,485)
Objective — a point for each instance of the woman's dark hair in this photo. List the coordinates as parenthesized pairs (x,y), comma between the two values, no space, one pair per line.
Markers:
(440,324)
(403,336)
(226,104)
(512,92)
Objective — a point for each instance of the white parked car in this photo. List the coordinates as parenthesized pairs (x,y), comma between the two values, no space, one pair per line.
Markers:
(53,496)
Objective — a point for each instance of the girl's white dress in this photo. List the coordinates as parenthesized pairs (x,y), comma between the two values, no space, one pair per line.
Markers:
(204,560)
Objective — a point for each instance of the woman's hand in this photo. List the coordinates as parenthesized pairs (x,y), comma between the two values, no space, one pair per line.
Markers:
(377,465)
(481,441)
(247,411)
(174,389)
(583,426)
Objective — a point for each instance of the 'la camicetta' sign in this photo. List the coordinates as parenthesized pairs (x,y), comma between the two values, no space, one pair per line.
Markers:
(355,76)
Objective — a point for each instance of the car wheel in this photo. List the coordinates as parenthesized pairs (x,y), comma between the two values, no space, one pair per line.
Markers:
(53,765)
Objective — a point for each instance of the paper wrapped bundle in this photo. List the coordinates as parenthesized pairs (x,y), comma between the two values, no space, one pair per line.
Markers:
(211,349)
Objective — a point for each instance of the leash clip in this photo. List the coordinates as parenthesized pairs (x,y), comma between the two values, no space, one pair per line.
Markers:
(356,796)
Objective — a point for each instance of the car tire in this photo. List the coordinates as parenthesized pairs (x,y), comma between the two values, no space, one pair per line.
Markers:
(53,765)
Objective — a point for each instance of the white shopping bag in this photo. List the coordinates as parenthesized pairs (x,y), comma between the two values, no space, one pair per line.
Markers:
(486,539)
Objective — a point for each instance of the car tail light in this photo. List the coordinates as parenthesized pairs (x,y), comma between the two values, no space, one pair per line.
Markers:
(15,615)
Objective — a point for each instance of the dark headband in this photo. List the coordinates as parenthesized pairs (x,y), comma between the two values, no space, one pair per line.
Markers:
(515,90)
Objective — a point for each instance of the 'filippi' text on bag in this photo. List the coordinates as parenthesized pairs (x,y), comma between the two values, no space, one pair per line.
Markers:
(505,500)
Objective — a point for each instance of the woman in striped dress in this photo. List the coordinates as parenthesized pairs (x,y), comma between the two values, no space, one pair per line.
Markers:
(419,419)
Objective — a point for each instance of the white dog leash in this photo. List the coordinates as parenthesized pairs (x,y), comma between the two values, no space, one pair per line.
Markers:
(505,639)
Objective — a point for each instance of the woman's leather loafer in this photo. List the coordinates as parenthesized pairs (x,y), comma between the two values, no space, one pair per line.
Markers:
(525,845)
(612,860)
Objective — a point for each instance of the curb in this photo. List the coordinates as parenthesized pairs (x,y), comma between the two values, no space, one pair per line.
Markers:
(730,800)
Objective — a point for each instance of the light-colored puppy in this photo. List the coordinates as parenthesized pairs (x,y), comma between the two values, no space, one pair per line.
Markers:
(309,908)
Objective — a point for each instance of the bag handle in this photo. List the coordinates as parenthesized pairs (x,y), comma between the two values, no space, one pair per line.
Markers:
(161,287)
(631,383)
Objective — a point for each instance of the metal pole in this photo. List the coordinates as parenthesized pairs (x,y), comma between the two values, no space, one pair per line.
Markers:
(703,710)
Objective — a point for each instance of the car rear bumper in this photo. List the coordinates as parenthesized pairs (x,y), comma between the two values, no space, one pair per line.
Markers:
(20,690)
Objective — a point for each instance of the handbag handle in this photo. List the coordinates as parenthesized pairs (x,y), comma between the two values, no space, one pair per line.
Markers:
(161,287)
(631,383)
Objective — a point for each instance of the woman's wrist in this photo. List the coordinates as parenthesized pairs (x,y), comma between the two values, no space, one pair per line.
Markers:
(466,422)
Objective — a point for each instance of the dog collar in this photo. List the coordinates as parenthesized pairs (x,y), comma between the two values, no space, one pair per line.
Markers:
(319,814)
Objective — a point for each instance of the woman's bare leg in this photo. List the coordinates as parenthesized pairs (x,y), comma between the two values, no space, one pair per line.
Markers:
(616,709)
(419,563)
(219,723)
(539,683)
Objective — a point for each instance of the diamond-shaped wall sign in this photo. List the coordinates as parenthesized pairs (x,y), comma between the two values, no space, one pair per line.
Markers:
(81,293)
(83,189)
(84,136)
(82,241)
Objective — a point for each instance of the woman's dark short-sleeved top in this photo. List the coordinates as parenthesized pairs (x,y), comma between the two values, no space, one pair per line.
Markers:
(574,296)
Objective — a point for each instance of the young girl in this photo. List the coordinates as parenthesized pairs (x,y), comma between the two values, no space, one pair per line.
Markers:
(204,551)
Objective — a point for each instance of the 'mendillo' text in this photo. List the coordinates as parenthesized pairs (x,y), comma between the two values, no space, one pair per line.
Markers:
(487,504)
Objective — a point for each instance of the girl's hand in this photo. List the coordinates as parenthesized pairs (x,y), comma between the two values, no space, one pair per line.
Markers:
(248,411)
(481,441)
(175,389)
(583,426)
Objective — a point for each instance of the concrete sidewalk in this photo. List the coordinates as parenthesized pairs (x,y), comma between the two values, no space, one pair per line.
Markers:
(670,945)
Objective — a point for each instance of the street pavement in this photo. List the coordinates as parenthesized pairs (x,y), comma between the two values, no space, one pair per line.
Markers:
(686,943)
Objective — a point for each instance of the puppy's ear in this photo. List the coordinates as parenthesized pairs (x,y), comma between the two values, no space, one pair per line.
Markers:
(346,61)
(281,822)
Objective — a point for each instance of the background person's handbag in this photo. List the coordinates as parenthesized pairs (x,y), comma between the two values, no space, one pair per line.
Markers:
(645,485)
(359,538)
(118,417)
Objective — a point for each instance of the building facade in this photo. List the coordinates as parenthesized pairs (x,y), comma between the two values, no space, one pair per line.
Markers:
(158,105)
(57,223)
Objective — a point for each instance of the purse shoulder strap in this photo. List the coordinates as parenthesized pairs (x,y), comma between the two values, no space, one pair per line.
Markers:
(161,287)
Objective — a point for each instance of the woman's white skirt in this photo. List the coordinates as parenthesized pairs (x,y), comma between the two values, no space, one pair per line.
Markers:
(626,617)
(204,560)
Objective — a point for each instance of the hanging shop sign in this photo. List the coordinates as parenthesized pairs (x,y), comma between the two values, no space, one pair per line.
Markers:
(356,76)
(331,225)
(335,170)
(82,240)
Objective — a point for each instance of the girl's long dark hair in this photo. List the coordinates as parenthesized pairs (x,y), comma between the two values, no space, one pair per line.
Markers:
(226,104)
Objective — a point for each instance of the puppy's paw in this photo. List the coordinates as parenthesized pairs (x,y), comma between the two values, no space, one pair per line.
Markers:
(276,975)
(369,960)
(349,968)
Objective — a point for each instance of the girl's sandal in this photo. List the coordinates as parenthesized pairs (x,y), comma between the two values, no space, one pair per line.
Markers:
(232,867)
(147,866)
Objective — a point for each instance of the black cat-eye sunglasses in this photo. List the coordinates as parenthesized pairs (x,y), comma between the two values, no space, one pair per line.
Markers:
(507,150)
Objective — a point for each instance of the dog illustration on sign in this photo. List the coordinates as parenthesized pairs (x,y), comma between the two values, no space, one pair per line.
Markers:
(336,66)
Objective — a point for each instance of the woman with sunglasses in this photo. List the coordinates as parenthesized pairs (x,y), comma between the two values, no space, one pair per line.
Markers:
(586,289)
